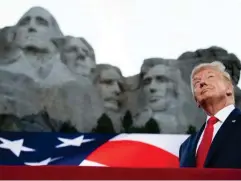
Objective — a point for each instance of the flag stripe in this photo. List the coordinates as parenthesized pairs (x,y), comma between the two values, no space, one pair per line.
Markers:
(91,163)
(133,154)
(166,142)
(109,173)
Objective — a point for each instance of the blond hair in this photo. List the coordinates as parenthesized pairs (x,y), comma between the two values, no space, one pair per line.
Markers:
(216,65)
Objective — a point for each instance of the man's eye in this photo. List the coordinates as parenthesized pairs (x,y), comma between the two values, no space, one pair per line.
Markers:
(108,82)
(161,79)
(147,81)
(42,21)
(24,21)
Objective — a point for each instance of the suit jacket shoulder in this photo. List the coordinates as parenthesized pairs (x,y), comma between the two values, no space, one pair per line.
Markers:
(237,112)
(187,149)
(184,146)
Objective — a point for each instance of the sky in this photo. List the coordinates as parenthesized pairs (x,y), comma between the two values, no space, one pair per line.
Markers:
(125,32)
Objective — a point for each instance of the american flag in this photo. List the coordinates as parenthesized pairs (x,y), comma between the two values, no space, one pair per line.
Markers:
(108,150)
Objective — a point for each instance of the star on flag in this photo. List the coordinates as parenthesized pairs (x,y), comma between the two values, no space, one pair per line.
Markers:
(42,163)
(15,146)
(72,142)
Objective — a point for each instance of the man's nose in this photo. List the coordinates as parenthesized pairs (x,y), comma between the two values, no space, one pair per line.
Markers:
(32,30)
(116,89)
(79,52)
(90,65)
(153,88)
(32,27)
(202,83)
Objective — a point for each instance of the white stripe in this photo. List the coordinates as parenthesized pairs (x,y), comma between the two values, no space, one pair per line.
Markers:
(170,143)
(91,163)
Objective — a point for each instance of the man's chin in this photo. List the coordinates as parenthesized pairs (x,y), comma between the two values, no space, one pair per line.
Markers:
(112,106)
(206,98)
(158,106)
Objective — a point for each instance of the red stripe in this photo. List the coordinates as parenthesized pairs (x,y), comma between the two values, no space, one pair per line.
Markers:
(133,154)
(109,173)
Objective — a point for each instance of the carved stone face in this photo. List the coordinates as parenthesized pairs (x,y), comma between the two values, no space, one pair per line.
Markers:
(75,54)
(157,88)
(35,29)
(110,88)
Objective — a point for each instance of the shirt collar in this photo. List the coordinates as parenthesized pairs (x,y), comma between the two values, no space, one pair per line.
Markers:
(223,113)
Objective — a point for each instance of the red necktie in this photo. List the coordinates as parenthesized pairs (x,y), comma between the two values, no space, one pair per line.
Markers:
(206,142)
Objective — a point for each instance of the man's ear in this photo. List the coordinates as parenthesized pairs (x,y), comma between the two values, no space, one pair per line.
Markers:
(11,34)
(229,91)
(7,35)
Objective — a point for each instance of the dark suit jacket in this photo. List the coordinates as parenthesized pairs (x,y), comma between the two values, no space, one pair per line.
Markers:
(225,150)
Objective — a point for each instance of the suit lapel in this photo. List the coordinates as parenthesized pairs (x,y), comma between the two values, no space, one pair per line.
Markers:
(191,152)
(223,133)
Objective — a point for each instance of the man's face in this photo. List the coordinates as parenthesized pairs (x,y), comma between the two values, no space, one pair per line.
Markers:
(208,84)
(158,88)
(110,87)
(34,30)
(75,54)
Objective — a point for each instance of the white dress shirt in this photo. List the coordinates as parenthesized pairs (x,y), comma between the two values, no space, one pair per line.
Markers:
(221,116)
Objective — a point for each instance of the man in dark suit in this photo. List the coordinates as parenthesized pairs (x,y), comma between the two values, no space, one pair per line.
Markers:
(218,143)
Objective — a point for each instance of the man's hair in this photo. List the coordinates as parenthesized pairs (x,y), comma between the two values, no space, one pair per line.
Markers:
(53,21)
(149,64)
(60,43)
(216,65)
(101,67)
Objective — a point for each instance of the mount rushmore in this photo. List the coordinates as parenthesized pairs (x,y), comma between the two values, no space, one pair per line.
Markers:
(51,82)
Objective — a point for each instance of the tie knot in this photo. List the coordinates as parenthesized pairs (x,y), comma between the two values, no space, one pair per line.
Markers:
(212,120)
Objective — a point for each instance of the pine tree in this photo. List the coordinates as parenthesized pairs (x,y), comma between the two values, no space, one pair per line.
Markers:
(191,130)
(127,121)
(104,125)
(150,127)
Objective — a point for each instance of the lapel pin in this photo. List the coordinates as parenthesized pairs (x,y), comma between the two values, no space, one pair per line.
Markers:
(233,121)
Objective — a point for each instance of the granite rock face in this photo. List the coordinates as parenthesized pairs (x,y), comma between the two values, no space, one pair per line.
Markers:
(51,82)
(35,80)
(77,54)
(161,96)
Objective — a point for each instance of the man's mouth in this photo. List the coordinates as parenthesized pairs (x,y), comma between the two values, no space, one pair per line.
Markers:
(155,98)
(32,48)
(112,100)
(205,90)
